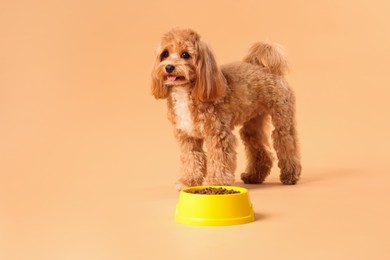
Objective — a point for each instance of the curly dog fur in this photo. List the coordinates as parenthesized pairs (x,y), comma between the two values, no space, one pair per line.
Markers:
(205,103)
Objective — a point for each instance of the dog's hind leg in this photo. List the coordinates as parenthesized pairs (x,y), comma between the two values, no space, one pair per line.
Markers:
(259,158)
(285,139)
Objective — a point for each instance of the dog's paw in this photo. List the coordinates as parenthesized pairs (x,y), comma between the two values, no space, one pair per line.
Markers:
(251,178)
(291,175)
(185,183)
(218,182)
(289,179)
(179,186)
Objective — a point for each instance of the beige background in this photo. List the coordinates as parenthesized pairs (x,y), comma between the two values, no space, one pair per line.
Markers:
(88,160)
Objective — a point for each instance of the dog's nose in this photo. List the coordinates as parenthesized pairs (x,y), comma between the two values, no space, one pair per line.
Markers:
(169,68)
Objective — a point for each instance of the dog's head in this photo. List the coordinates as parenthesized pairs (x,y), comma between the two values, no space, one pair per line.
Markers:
(183,59)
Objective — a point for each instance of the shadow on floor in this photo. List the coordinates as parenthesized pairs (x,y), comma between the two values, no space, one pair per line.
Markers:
(261,217)
(308,176)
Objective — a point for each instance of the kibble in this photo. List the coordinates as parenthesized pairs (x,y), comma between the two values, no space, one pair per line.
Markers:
(214,191)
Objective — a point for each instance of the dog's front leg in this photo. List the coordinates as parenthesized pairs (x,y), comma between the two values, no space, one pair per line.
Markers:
(221,158)
(193,161)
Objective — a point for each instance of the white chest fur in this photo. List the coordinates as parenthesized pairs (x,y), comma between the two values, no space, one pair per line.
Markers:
(180,105)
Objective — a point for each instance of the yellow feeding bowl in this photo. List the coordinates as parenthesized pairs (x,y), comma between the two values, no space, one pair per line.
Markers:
(214,209)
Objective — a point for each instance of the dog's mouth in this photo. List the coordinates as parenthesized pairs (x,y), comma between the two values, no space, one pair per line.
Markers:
(170,79)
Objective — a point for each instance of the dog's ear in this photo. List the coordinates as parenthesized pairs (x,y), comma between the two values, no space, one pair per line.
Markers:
(210,83)
(159,91)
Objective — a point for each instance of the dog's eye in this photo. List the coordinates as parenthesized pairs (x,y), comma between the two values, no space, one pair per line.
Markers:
(185,55)
(165,54)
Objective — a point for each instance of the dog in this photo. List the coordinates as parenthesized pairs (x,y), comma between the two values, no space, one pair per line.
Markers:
(205,102)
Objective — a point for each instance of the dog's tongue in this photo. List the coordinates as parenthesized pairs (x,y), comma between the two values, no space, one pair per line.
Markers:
(171,78)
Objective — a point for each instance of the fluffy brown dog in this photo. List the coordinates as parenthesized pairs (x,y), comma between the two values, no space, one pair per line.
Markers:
(206,102)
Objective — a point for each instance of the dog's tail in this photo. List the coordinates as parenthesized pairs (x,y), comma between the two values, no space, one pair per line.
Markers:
(268,56)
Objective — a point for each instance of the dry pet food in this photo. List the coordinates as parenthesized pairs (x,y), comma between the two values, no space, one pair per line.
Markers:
(214,191)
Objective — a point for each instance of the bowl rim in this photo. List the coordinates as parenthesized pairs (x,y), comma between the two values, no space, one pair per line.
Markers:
(240,190)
